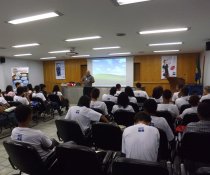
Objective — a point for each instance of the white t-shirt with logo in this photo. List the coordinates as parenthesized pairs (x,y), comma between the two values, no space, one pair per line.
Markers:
(175,96)
(3,101)
(192,110)
(83,116)
(132,100)
(173,109)
(108,97)
(33,137)
(140,93)
(99,105)
(22,100)
(205,97)
(141,142)
(182,101)
(117,108)
(39,95)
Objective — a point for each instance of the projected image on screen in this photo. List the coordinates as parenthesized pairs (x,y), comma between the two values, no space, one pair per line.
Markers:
(108,72)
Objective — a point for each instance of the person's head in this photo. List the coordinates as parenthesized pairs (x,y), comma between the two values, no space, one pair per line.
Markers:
(20,91)
(167,94)
(84,101)
(184,91)
(194,100)
(88,73)
(142,117)
(179,87)
(123,100)
(9,88)
(95,93)
(138,85)
(129,91)
(37,89)
(204,111)
(23,115)
(30,87)
(113,91)
(150,106)
(56,88)
(17,84)
(157,92)
(206,90)
(42,87)
(118,87)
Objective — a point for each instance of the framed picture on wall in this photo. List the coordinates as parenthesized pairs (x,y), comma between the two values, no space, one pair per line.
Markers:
(60,73)
(168,66)
(21,75)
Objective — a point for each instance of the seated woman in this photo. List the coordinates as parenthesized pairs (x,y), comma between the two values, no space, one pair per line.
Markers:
(122,103)
(21,97)
(111,96)
(38,94)
(129,92)
(9,91)
(157,94)
(95,104)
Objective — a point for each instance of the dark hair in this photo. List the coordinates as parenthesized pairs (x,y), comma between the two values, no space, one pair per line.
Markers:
(113,91)
(204,110)
(118,86)
(56,89)
(9,88)
(30,87)
(207,89)
(185,91)
(129,91)
(150,106)
(138,85)
(157,92)
(180,86)
(84,101)
(17,83)
(22,112)
(194,100)
(37,89)
(20,90)
(95,93)
(25,88)
(167,94)
(42,86)
(142,116)
(123,100)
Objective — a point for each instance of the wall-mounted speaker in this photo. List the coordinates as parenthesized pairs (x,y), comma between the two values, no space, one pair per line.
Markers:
(2,60)
(208,45)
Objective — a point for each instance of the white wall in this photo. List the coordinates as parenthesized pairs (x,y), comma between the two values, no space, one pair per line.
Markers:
(36,75)
(206,80)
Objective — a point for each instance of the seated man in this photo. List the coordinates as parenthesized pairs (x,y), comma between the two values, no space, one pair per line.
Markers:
(141,141)
(150,107)
(3,102)
(129,92)
(183,100)
(36,138)
(118,88)
(20,97)
(167,106)
(206,94)
(83,115)
(38,94)
(110,96)
(139,92)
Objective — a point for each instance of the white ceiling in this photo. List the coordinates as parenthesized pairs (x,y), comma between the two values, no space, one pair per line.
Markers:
(101,17)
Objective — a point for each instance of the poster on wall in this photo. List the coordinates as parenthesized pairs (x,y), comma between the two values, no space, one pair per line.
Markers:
(168,66)
(60,70)
(21,75)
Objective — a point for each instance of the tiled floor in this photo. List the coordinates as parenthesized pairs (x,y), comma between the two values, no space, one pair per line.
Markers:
(48,128)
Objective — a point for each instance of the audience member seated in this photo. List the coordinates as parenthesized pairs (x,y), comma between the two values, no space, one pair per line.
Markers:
(30,88)
(38,94)
(177,94)
(20,97)
(17,84)
(206,94)
(129,92)
(122,103)
(9,91)
(97,104)
(83,115)
(11,114)
(157,94)
(141,141)
(139,92)
(3,102)
(36,138)
(110,96)
(118,88)
(150,107)
(43,90)
(167,106)
(183,100)
(194,100)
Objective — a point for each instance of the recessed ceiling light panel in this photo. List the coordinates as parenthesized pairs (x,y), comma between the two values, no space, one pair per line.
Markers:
(47,58)
(125,2)
(146,32)
(161,51)
(166,44)
(80,56)
(106,48)
(26,45)
(59,51)
(122,53)
(21,55)
(83,38)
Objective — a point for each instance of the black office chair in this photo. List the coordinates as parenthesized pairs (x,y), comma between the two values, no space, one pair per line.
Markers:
(183,107)
(134,106)
(206,101)
(14,103)
(124,166)
(24,157)
(188,118)
(164,150)
(203,171)
(38,104)
(98,110)
(140,101)
(8,98)
(109,105)
(125,118)
(5,122)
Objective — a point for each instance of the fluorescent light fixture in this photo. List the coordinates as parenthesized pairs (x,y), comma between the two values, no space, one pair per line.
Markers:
(123,53)
(34,18)
(80,56)
(106,48)
(59,51)
(125,2)
(166,44)
(46,58)
(163,31)
(84,38)
(21,55)
(26,45)
(161,51)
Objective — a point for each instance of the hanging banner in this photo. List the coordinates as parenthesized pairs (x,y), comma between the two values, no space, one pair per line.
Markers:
(168,66)
(21,75)
(60,70)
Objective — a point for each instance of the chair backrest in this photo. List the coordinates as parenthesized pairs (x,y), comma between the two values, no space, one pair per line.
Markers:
(41,107)
(107,136)
(24,157)
(183,107)
(76,159)
(54,98)
(98,110)
(124,166)
(109,105)
(14,103)
(8,98)
(195,147)
(203,171)
(135,107)
(69,130)
(123,117)
(141,99)
(163,151)
(206,101)
(188,118)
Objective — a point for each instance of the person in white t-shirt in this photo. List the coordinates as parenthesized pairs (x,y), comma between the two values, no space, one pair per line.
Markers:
(157,94)
(95,104)
(38,94)
(129,92)
(184,99)
(36,138)
(150,107)
(167,106)
(20,97)
(3,102)
(141,141)
(206,94)
(139,92)
(118,90)
(177,94)
(194,100)
(111,96)
(122,104)
(83,115)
